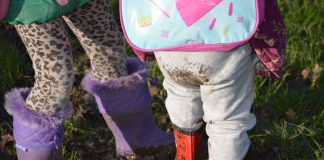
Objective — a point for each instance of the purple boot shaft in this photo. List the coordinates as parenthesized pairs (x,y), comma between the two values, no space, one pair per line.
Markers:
(125,106)
(38,136)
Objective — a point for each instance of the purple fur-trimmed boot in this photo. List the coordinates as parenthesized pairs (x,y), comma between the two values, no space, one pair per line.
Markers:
(125,106)
(38,136)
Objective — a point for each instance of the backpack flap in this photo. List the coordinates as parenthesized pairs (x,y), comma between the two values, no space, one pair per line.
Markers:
(189,25)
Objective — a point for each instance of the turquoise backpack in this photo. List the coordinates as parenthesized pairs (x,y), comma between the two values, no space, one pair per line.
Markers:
(189,25)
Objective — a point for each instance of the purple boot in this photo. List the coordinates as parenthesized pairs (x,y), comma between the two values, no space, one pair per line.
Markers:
(38,136)
(125,106)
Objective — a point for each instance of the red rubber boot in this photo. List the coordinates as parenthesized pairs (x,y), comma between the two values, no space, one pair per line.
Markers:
(188,144)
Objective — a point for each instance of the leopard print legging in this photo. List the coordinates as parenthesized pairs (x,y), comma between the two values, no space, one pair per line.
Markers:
(49,48)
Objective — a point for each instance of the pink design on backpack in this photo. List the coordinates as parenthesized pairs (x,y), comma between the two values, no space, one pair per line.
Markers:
(193,11)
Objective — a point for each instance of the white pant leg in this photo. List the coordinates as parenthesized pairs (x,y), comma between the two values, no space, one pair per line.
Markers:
(227,100)
(183,103)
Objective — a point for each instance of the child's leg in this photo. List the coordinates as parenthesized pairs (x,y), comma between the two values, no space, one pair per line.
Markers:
(97,30)
(50,52)
(183,103)
(39,113)
(228,98)
(184,106)
(118,84)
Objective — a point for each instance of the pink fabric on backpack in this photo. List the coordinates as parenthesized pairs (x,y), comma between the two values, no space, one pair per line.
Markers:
(269,42)
(4,5)
(143,56)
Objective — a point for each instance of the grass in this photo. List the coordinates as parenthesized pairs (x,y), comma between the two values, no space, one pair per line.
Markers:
(12,67)
(290,110)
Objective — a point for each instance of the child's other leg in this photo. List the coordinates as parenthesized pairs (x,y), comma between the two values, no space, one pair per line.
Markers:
(117,83)
(50,51)
(39,113)
(96,28)
(183,102)
(227,100)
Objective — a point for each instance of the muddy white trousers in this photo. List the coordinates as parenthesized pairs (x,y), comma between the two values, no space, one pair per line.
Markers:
(215,87)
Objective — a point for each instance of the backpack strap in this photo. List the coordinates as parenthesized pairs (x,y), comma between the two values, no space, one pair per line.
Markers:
(145,57)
